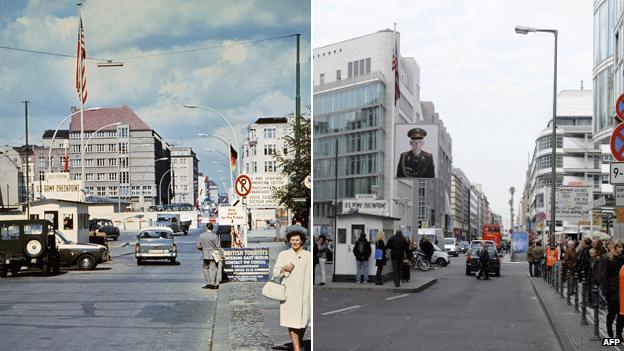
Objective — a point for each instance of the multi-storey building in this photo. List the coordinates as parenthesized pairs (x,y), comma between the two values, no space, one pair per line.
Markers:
(213,192)
(354,116)
(475,212)
(12,190)
(578,163)
(460,204)
(184,165)
(121,153)
(265,138)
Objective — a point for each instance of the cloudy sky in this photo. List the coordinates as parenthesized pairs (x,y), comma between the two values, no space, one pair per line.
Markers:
(492,87)
(239,74)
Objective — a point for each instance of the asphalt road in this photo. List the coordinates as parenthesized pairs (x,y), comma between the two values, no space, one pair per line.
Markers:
(118,306)
(456,313)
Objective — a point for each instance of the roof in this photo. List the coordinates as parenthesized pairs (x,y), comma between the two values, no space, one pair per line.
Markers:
(44,201)
(95,119)
(271,120)
(60,134)
(99,200)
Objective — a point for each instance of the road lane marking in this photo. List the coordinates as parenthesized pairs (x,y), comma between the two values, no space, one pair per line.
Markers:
(396,297)
(341,310)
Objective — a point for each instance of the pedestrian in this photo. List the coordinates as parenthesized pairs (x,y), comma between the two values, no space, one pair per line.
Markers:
(210,246)
(552,256)
(396,245)
(315,258)
(426,247)
(538,259)
(531,258)
(324,250)
(484,260)
(569,261)
(408,261)
(362,252)
(293,266)
(583,259)
(380,256)
(612,277)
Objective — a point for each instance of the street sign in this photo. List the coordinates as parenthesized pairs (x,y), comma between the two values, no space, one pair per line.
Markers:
(617,142)
(619,107)
(243,185)
(616,174)
(573,203)
(231,215)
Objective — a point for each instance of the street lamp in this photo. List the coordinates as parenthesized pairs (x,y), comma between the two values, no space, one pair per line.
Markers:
(56,131)
(160,185)
(223,117)
(141,199)
(94,133)
(527,30)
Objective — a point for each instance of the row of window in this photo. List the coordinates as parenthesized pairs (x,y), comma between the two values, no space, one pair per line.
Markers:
(269,167)
(352,120)
(348,99)
(123,190)
(269,133)
(123,133)
(347,188)
(545,142)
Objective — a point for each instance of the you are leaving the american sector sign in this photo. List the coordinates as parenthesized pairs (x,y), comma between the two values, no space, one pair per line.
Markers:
(573,202)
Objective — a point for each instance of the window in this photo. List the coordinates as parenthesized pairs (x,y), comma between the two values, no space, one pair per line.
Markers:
(123,148)
(75,148)
(269,166)
(269,149)
(246,167)
(112,190)
(123,161)
(253,150)
(101,148)
(112,176)
(75,163)
(322,78)
(350,70)
(136,190)
(101,176)
(254,167)
(112,162)
(89,148)
(10,232)
(124,177)
(338,74)
(101,191)
(89,176)
(100,162)
(122,132)
(111,148)
(89,162)
(269,133)
(41,162)
(41,175)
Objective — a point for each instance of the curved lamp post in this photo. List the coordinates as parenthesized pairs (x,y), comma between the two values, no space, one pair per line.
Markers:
(56,131)
(160,185)
(527,30)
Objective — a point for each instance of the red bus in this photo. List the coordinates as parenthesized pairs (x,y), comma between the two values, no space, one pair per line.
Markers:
(492,232)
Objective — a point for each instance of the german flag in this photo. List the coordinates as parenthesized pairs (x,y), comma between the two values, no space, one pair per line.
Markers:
(233,158)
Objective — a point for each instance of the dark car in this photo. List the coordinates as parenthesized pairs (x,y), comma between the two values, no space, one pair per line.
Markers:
(223,231)
(463,246)
(473,263)
(104,226)
(172,220)
(28,243)
(85,256)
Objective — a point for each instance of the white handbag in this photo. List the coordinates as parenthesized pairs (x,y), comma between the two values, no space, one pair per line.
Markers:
(274,291)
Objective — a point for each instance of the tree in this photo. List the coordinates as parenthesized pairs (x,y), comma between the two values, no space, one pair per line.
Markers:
(296,166)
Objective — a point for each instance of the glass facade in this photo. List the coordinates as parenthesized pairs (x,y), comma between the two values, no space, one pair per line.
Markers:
(604,19)
(604,26)
(604,104)
(545,142)
(355,117)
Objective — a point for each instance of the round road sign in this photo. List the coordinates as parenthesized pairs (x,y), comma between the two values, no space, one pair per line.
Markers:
(243,185)
(619,107)
(617,142)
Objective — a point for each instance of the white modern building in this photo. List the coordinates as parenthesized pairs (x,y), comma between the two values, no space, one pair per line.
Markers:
(184,167)
(460,204)
(265,138)
(354,106)
(578,163)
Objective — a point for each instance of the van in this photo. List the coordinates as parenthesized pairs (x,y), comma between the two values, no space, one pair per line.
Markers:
(435,235)
(451,246)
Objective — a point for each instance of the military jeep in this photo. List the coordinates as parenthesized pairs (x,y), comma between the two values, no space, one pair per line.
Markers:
(28,243)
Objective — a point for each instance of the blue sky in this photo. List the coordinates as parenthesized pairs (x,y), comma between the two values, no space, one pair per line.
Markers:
(491,86)
(242,78)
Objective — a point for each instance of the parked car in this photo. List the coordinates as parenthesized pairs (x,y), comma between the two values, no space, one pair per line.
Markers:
(104,225)
(473,263)
(463,246)
(223,231)
(155,243)
(85,256)
(171,220)
(440,257)
(451,246)
(477,243)
(28,243)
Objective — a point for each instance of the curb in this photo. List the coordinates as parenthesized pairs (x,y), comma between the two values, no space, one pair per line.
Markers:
(220,338)
(563,341)
(376,289)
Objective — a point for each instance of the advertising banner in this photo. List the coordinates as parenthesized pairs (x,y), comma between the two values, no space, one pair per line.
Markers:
(415,150)
(519,246)
(247,264)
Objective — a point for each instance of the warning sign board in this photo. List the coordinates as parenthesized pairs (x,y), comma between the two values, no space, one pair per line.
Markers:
(231,215)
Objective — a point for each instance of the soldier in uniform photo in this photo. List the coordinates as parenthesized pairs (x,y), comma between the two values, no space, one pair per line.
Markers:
(416,163)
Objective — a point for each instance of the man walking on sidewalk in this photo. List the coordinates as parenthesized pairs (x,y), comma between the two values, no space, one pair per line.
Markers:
(362,251)
(531,259)
(538,259)
(210,246)
(397,246)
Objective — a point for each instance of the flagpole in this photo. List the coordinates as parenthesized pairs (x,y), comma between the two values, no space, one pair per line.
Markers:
(79,69)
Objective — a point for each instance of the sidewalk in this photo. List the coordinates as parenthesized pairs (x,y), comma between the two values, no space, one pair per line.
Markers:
(566,321)
(247,321)
(417,283)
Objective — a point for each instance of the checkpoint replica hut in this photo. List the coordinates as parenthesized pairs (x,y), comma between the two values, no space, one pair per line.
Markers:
(349,226)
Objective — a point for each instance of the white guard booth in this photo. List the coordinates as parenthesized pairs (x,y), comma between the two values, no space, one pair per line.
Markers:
(69,217)
(349,226)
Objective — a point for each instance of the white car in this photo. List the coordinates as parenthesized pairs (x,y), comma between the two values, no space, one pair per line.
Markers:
(440,257)
(451,246)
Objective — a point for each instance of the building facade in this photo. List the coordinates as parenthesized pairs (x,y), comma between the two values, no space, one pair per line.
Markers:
(354,118)
(460,204)
(184,167)
(12,190)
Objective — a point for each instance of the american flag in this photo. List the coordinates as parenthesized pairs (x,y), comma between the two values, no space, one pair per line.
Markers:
(395,68)
(81,56)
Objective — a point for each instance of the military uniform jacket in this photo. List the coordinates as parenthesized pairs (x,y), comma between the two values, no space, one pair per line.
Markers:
(412,166)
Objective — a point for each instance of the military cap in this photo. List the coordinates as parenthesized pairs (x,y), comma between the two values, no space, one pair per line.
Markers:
(416,133)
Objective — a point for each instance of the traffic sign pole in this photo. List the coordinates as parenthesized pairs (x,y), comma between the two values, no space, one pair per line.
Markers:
(243,188)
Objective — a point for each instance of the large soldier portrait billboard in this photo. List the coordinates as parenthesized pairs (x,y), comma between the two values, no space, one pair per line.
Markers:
(415,150)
